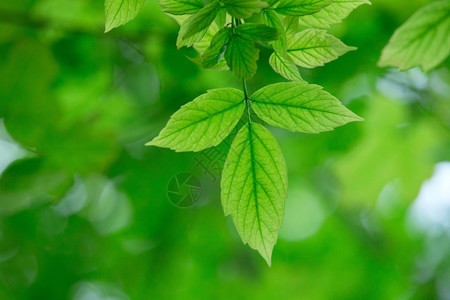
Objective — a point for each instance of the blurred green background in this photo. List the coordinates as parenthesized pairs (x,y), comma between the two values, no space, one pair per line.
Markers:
(84,207)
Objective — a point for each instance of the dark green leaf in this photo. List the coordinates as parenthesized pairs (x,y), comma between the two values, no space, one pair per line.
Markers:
(241,56)
(259,32)
(215,50)
(244,9)
(272,19)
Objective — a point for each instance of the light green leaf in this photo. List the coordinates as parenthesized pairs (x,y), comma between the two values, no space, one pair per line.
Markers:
(119,12)
(181,7)
(241,56)
(203,122)
(215,50)
(272,19)
(424,40)
(260,32)
(291,25)
(254,187)
(313,47)
(200,21)
(244,9)
(301,107)
(331,14)
(300,7)
(284,66)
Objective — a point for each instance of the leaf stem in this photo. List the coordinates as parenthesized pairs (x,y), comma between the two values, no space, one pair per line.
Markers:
(247,102)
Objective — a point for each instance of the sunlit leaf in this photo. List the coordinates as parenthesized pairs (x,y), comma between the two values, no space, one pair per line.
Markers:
(241,56)
(424,40)
(272,19)
(331,14)
(203,122)
(312,48)
(284,66)
(119,12)
(300,7)
(299,106)
(254,187)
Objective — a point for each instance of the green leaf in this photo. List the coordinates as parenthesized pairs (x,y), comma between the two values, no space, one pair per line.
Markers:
(301,107)
(254,187)
(300,7)
(284,66)
(244,9)
(181,7)
(424,39)
(272,19)
(313,47)
(260,32)
(200,21)
(291,25)
(241,56)
(188,42)
(203,122)
(119,12)
(331,14)
(215,50)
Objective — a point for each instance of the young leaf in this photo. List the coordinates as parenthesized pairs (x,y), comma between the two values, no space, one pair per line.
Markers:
(301,107)
(241,56)
(244,9)
(284,66)
(215,50)
(203,122)
(181,7)
(254,187)
(291,25)
(200,21)
(300,7)
(312,48)
(119,12)
(331,14)
(272,19)
(260,32)
(424,40)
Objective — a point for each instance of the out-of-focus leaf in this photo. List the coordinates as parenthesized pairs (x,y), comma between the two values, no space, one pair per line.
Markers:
(299,106)
(422,41)
(119,12)
(203,122)
(311,48)
(254,187)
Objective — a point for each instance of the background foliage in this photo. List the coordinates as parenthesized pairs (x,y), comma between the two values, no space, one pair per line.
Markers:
(84,207)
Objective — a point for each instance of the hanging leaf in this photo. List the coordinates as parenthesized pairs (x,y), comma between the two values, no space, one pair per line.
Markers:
(258,32)
(241,56)
(200,21)
(244,9)
(216,49)
(254,187)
